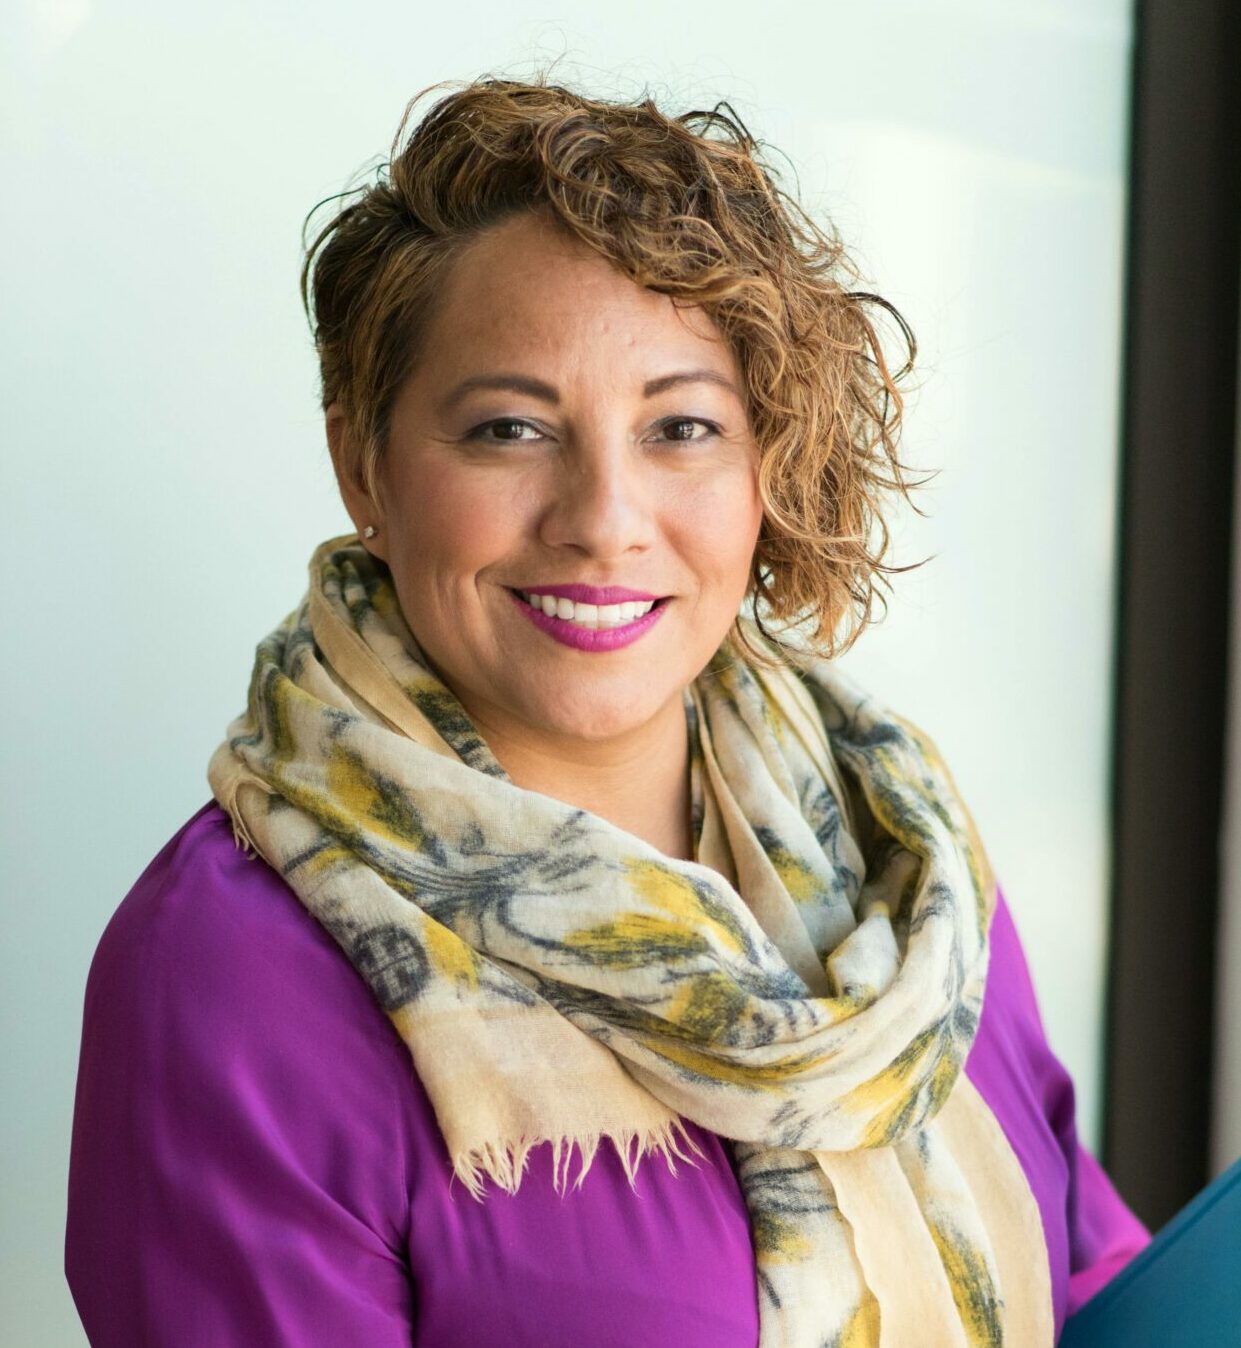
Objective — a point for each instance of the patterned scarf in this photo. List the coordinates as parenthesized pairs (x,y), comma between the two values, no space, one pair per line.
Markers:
(809,987)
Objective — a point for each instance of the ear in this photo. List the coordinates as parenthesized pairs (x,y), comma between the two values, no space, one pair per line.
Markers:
(363,508)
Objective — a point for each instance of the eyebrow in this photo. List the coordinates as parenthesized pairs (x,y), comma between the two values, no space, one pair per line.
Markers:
(536,388)
(667,381)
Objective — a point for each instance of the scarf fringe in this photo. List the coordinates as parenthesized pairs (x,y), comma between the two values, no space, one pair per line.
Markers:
(504,1163)
(226,779)
(242,837)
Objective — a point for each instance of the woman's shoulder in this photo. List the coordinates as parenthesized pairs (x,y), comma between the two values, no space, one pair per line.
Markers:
(243,1106)
(1010,994)
(201,883)
(206,920)
(214,978)
(216,932)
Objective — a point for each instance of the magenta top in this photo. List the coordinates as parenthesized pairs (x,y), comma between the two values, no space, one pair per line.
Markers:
(255,1162)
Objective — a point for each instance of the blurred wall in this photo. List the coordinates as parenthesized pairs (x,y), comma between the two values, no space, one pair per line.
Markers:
(165,477)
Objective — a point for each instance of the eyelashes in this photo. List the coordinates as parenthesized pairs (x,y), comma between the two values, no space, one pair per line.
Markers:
(711,428)
(480,433)
(509,423)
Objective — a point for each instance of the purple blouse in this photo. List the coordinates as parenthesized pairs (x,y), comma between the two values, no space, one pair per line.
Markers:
(254,1161)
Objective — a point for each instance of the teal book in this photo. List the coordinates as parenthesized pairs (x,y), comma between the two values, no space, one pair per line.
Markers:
(1184,1288)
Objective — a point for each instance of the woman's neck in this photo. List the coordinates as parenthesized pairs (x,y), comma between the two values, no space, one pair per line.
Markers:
(639,784)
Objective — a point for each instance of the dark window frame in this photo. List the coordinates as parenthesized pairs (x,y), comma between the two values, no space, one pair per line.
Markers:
(1179,429)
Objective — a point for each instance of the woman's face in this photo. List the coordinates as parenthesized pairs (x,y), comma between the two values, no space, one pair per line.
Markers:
(570,450)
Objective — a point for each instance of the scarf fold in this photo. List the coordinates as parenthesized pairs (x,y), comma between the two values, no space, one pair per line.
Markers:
(808,987)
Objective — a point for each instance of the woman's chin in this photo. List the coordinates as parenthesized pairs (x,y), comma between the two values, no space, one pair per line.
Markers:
(590,726)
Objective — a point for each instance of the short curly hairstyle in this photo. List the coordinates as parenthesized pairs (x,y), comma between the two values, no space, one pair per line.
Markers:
(686,206)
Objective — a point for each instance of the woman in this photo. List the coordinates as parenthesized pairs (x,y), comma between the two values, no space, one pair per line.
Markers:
(715,1009)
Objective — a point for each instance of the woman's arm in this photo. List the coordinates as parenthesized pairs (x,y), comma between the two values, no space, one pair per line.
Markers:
(1103,1234)
(237,1167)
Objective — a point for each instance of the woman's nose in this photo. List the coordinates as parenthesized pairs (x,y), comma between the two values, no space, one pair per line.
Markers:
(601,502)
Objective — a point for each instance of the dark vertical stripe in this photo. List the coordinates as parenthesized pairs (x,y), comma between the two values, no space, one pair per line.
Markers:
(1179,419)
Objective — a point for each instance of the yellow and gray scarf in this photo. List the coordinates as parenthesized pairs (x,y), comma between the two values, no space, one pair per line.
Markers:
(809,987)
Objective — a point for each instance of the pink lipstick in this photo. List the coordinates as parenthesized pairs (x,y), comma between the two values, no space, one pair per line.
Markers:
(579,637)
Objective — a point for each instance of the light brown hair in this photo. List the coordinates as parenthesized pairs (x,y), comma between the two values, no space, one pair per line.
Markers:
(684,205)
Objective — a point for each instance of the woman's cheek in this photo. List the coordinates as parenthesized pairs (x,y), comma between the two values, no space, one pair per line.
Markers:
(459,519)
(722,519)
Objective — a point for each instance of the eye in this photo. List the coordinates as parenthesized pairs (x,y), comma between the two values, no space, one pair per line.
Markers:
(682,428)
(507,429)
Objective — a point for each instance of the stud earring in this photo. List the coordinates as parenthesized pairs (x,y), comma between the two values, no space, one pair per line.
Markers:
(370,531)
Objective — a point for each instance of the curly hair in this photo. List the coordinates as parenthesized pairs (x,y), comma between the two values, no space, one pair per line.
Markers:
(686,206)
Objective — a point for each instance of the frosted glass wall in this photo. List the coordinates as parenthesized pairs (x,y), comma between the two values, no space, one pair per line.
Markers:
(165,478)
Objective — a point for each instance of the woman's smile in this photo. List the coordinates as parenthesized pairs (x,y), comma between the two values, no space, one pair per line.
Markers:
(598,627)
(592,606)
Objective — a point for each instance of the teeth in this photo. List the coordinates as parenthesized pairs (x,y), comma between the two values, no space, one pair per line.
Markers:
(590,616)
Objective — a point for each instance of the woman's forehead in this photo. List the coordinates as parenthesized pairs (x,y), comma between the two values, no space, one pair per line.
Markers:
(527,297)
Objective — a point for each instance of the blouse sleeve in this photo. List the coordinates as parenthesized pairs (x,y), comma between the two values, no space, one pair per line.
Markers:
(236,1171)
(1103,1234)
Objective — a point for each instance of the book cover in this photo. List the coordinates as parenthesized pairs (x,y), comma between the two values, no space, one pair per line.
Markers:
(1184,1288)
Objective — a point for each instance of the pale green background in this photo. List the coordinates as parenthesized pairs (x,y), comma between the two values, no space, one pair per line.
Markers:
(165,477)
